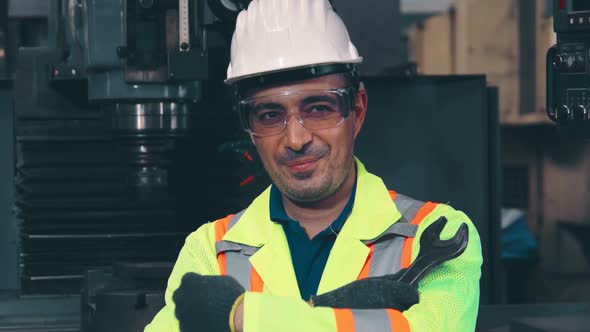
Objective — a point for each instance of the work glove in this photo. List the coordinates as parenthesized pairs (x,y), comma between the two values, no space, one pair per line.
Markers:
(384,292)
(204,303)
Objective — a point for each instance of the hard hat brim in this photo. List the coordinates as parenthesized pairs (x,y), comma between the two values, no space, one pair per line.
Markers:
(236,79)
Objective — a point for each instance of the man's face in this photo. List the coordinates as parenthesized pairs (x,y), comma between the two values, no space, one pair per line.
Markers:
(310,165)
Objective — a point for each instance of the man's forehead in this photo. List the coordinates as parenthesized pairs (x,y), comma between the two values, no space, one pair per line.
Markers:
(333,81)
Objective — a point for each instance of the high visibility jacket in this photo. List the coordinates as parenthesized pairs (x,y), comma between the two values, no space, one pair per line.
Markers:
(381,235)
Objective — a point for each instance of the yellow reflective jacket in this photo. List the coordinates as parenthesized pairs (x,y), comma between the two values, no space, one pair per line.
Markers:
(449,294)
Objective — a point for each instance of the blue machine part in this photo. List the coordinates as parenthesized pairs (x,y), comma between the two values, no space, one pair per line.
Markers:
(516,238)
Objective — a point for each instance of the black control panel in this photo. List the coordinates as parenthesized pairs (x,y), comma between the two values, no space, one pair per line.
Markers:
(571,15)
(568,66)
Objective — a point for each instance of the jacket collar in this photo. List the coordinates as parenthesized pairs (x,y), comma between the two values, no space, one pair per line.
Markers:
(372,214)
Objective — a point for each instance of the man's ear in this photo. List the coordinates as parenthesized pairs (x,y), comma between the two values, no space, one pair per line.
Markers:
(360,108)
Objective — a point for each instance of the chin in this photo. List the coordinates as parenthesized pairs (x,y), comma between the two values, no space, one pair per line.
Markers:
(303,176)
(307,192)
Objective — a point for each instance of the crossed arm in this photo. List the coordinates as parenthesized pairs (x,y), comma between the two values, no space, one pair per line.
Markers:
(449,297)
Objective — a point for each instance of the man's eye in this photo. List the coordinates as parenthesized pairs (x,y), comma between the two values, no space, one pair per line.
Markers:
(319,109)
(268,115)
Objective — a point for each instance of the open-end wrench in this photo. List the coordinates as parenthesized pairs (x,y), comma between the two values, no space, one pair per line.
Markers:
(434,251)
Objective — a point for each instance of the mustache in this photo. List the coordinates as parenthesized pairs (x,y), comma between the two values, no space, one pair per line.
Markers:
(310,152)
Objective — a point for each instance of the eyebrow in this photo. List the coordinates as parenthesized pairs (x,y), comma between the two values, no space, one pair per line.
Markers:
(267,106)
(319,98)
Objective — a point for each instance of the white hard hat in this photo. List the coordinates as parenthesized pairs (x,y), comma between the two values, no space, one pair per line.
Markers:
(278,35)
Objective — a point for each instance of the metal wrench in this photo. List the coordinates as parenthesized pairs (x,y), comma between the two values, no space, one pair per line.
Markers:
(434,251)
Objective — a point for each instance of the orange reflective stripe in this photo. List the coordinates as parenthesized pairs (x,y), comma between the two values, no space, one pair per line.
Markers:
(399,323)
(423,212)
(392,194)
(222,264)
(407,253)
(256,283)
(221,227)
(220,230)
(344,320)
(367,267)
(408,242)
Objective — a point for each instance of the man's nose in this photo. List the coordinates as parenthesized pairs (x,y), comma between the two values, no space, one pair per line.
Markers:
(296,136)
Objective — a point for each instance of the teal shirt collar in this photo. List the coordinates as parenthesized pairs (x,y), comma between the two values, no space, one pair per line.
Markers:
(279,215)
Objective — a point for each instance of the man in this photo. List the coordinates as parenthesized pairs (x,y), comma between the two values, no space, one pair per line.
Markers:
(319,250)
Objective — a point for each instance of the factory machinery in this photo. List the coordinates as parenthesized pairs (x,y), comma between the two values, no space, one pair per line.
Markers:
(121,125)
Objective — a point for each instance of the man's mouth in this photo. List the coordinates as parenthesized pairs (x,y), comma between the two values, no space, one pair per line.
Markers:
(302,165)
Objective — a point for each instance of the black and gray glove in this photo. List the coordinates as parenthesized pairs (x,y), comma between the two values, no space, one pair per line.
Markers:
(204,303)
(371,293)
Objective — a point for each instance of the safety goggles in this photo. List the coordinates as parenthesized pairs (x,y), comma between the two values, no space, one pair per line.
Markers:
(314,109)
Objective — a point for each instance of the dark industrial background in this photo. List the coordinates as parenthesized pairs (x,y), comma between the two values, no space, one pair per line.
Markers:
(93,211)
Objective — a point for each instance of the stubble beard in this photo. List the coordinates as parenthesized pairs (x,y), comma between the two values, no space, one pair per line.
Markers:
(302,188)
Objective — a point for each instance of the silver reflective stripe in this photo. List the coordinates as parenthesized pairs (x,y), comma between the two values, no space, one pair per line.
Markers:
(237,255)
(248,250)
(403,229)
(223,246)
(403,203)
(388,249)
(238,266)
(387,257)
(235,219)
(400,228)
(237,263)
(407,206)
(371,320)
